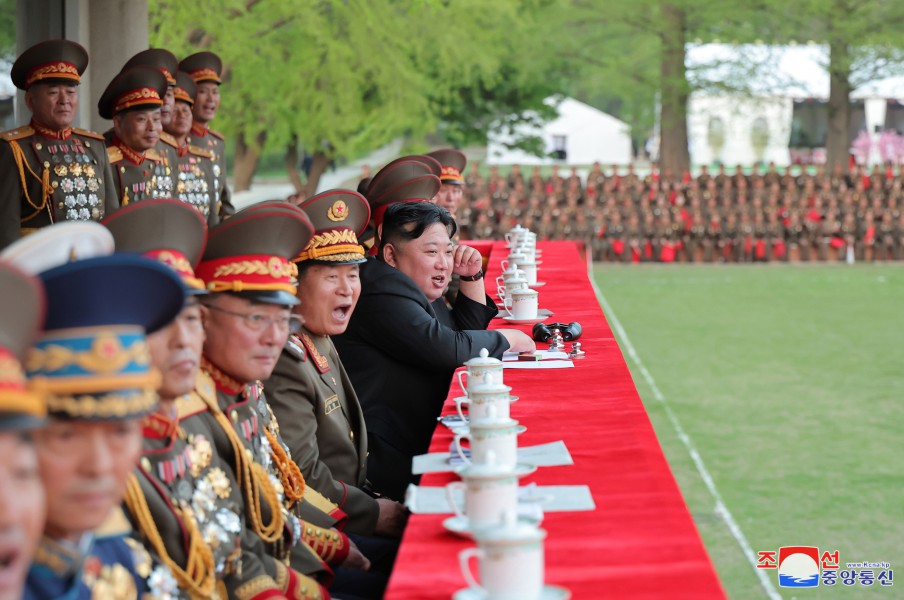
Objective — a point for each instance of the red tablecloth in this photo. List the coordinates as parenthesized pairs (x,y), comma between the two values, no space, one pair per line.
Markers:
(640,542)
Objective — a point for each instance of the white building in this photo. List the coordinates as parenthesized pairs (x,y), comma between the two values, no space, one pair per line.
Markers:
(580,135)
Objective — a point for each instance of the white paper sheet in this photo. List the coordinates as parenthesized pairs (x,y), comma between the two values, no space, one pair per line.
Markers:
(543,354)
(550,498)
(543,455)
(539,364)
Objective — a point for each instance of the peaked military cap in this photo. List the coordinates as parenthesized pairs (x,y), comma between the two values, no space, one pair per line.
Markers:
(92,358)
(249,254)
(168,231)
(51,61)
(203,66)
(416,164)
(453,165)
(21,315)
(138,88)
(409,180)
(185,89)
(338,217)
(156,58)
(58,244)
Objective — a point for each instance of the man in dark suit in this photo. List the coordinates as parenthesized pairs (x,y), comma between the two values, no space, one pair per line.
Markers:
(399,353)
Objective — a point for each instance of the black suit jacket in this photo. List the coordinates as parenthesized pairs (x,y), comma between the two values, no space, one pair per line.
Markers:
(400,355)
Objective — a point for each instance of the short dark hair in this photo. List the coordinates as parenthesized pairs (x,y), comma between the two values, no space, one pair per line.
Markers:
(406,221)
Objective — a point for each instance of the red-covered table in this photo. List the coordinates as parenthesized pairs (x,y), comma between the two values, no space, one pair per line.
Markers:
(640,542)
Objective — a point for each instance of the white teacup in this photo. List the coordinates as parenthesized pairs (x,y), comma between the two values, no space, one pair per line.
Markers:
(515,235)
(487,400)
(512,272)
(513,261)
(489,491)
(510,556)
(516,283)
(497,438)
(530,271)
(478,369)
(522,304)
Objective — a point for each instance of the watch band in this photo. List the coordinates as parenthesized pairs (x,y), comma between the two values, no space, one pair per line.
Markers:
(475,277)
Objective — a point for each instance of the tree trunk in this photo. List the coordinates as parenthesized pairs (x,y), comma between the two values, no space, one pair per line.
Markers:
(838,138)
(291,162)
(319,163)
(247,157)
(673,152)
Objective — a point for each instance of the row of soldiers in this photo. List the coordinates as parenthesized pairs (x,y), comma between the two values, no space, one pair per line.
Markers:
(160,145)
(174,418)
(725,218)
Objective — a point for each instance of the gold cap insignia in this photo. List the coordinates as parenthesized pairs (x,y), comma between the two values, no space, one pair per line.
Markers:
(338,211)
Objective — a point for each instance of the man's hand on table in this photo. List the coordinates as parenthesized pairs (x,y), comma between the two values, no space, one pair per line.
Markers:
(392,519)
(518,340)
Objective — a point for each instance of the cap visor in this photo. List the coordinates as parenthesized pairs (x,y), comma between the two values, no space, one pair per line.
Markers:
(269,297)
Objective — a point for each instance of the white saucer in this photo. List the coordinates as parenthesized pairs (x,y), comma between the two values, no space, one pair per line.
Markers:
(550,592)
(539,284)
(460,399)
(459,525)
(519,470)
(524,321)
(540,313)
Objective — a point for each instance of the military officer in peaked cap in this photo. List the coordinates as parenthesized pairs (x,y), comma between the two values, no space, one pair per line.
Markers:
(184,501)
(51,171)
(133,100)
(453,166)
(205,69)
(193,175)
(247,268)
(167,63)
(22,410)
(92,362)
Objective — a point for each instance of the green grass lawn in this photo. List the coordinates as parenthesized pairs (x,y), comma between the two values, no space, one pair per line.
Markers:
(789,382)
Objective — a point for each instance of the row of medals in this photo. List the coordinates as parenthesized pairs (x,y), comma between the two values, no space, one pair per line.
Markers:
(79,185)
(192,187)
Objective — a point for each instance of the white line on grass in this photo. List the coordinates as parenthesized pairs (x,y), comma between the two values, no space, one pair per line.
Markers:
(721,509)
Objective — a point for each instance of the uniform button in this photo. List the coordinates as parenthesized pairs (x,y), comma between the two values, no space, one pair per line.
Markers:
(351,435)
(87,143)
(55,184)
(122,169)
(145,464)
(38,146)
(46,164)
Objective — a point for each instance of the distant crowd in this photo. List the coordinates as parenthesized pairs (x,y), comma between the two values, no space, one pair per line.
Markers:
(727,216)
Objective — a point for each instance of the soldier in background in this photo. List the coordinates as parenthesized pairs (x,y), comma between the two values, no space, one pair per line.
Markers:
(37,160)
(133,100)
(205,69)
(193,175)
(167,63)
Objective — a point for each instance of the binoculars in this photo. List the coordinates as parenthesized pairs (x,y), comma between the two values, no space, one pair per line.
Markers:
(543,331)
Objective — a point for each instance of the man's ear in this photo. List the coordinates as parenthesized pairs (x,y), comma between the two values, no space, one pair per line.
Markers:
(390,255)
(29,101)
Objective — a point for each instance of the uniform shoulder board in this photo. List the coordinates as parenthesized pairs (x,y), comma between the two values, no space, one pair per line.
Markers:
(114,154)
(17,134)
(296,348)
(86,133)
(215,134)
(199,400)
(168,139)
(152,154)
(198,151)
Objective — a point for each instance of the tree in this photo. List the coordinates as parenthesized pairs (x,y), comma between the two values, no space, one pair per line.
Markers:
(864,45)
(341,78)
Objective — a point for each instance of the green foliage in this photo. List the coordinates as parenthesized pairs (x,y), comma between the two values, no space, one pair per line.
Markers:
(346,77)
(7,28)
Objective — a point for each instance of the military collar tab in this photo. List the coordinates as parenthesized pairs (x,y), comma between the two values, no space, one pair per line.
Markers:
(223,382)
(132,156)
(57,134)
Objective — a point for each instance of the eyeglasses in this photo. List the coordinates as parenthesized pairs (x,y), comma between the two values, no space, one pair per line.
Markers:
(257,322)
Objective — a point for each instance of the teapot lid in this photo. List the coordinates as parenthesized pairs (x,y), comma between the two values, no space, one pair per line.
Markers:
(483,359)
(509,530)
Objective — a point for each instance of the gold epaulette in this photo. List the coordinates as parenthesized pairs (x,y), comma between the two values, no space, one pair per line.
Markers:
(115,525)
(296,348)
(86,133)
(152,154)
(216,134)
(17,134)
(193,402)
(168,139)
(114,154)
(318,500)
(198,151)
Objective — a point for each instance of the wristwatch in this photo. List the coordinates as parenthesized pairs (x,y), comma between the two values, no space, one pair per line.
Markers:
(475,277)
